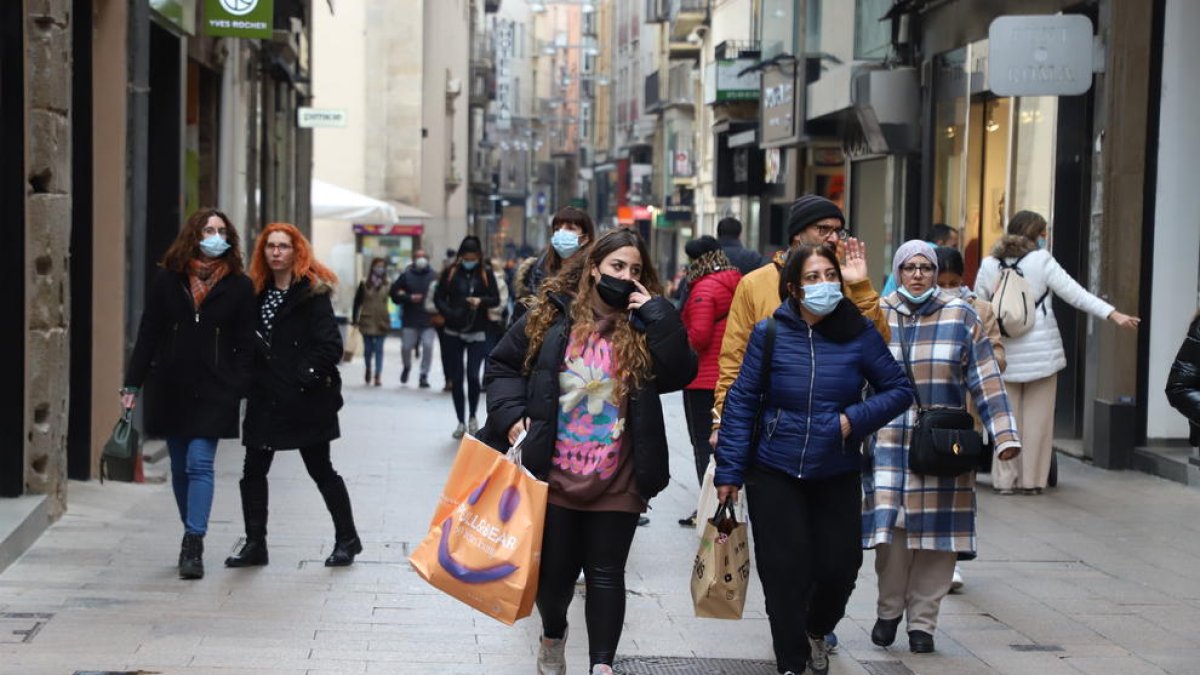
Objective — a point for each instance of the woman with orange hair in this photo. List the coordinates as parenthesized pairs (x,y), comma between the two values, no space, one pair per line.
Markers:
(296,391)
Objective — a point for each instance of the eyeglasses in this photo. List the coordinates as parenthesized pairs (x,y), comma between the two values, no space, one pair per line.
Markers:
(914,268)
(278,247)
(823,231)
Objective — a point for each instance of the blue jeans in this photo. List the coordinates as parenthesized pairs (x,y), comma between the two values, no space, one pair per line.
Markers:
(373,346)
(192,479)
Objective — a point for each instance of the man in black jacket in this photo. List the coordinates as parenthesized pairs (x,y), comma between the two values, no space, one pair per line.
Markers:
(728,232)
(409,291)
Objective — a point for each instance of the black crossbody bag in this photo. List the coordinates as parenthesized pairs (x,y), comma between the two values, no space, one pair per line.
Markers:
(944,441)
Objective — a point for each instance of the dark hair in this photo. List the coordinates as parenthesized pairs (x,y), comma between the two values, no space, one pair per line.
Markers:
(187,244)
(1027,224)
(793,268)
(470,244)
(940,233)
(617,239)
(568,215)
(729,227)
(949,260)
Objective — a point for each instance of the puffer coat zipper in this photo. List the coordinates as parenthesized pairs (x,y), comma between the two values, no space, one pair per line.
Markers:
(812,381)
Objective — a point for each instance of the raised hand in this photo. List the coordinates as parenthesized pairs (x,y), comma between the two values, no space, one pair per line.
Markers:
(639,297)
(854,267)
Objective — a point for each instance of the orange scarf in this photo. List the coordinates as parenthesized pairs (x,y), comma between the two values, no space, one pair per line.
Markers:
(203,275)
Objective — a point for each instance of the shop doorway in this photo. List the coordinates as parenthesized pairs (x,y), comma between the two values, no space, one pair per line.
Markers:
(79,416)
(12,254)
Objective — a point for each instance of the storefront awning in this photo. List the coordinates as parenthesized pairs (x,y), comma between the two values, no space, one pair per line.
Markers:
(331,202)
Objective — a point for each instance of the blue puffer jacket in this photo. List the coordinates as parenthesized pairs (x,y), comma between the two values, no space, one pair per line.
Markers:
(817,373)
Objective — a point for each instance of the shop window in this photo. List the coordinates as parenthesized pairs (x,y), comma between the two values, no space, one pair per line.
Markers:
(779,26)
(872,37)
(871,208)
(1034,139)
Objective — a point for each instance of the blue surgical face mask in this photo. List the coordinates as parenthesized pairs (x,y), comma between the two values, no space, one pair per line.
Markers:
(469,265)
(822,297)
(214,246)
(565,243)
(918,299)
(1041,242)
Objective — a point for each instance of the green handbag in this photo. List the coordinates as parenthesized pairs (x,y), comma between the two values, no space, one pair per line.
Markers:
(119,458)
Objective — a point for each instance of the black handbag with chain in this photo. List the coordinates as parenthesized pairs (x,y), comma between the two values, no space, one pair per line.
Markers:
(944,441)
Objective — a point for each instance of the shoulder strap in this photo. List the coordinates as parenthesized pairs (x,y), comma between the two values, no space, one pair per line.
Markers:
(905,348)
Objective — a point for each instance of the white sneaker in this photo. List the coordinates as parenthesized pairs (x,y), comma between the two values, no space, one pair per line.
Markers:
(602,669)
(472,426)
(956,581)
(581,579)
(552,656)
(459,431)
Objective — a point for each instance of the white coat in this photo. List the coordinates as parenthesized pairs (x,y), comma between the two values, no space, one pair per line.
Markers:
(1038,353)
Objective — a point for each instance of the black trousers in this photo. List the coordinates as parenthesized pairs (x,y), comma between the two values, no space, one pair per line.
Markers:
(475,352)
(320,468)
(597,542)
(697,409)
(808,549)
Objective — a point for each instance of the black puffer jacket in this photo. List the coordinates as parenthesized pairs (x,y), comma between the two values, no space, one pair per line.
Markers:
(512,395)
(455,285)
(194,364)
(1183,383)
(297,391)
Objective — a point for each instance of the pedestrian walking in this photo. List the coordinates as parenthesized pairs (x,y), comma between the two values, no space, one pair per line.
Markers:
(803,470)
(919,525)
(939,235)
(193,356)
(712,279)
(1183,382)
(465,291)
(1035,358)
(370,314)
(410,291)
(571,230)
(296,392)
(729,232)
(581,373)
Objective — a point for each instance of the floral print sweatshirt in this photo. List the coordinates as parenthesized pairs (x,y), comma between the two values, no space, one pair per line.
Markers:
(591,469)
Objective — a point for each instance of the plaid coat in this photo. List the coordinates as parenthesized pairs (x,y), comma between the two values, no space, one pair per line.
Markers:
(951,356)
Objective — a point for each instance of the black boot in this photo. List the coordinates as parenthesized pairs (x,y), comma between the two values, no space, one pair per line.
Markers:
(254,511)
(884,632)
(191,557)
(346,542)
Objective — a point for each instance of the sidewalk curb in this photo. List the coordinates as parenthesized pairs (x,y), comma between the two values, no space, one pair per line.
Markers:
(22,522)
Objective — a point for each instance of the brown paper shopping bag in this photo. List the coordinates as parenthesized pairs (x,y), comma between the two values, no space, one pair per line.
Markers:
(484,545)
(721,572)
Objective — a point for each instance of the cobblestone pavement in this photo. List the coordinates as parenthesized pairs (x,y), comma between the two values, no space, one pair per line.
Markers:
(1097,576)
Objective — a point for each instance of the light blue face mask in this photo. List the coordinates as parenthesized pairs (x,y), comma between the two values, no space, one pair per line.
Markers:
(469,265)
(565,243)
(214,246)
(918,299)
(822,297)
(1041,242)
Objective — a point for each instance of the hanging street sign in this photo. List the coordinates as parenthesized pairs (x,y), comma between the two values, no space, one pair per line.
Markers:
(239,18)
(1044,55)
(306,118)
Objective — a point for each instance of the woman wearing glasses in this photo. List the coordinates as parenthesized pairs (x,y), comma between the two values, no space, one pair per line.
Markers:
(193,353)
(919,524)
(296,392)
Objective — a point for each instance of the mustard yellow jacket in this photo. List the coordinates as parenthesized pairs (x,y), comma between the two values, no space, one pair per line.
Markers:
(756,298)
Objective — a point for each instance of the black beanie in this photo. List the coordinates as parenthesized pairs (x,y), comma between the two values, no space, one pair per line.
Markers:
(810,209)
(698,247)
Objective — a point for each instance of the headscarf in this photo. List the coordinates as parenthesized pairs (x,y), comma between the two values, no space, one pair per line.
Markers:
(910,249)
(713,261)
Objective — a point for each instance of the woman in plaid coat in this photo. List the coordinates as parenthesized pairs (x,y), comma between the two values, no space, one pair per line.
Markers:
(919,525)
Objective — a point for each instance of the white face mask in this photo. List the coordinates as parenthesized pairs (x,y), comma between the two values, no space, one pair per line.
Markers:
(421,263)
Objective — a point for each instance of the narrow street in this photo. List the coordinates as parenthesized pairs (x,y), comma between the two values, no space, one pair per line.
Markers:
(1096,576)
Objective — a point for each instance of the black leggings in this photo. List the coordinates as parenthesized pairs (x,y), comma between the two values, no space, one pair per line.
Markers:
(476,351)
(316,461)
(697,409)
(598,542)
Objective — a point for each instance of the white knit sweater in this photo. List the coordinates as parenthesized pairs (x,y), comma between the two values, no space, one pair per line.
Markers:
(1039,353)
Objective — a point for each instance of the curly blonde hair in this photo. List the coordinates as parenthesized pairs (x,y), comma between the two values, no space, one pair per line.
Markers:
(631,353)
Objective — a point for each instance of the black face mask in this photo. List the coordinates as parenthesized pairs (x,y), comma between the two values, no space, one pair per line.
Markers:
(615,292)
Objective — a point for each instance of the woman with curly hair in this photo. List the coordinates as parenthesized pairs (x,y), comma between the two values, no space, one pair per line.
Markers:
(193,352)
(581,375)
(296,392)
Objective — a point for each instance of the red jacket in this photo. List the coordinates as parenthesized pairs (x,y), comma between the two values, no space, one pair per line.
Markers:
(705,313)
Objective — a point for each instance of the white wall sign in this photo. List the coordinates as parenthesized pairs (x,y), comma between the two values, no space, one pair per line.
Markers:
(1040,55)
(320,117)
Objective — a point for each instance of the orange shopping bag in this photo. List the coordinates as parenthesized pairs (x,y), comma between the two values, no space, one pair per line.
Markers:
(484,545)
